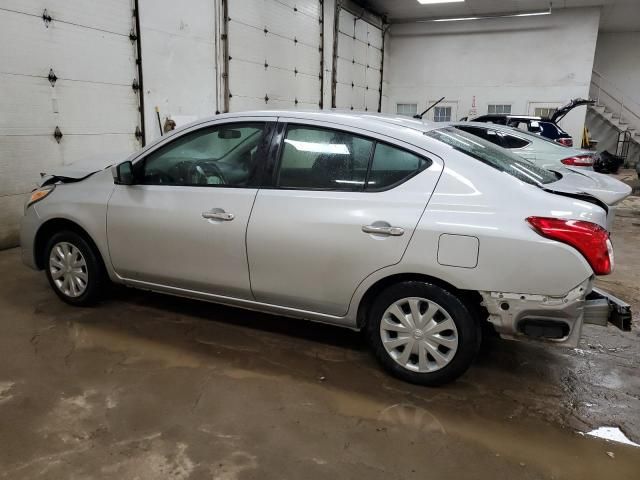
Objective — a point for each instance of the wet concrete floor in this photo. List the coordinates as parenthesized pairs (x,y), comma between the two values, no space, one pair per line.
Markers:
(150,386)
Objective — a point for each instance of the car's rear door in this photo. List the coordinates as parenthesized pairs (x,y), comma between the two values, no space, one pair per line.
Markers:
(343,203)
(183,223)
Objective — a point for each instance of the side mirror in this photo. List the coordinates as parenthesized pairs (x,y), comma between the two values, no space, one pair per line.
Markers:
(123,173)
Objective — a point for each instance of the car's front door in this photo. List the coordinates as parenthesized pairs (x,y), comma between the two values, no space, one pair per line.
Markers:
(183,223)
(342,205)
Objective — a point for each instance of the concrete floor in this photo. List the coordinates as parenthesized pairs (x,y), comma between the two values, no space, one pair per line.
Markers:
(149,386)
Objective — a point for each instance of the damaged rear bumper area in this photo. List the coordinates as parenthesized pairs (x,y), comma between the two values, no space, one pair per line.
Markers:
(555,319)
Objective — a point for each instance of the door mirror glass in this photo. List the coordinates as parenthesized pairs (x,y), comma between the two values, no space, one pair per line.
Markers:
(123,173)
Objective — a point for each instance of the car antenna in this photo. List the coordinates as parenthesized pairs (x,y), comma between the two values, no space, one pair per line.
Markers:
(419,116)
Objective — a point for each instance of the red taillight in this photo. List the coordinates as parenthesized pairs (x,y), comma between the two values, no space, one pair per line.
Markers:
(591,240)
(567,142)
(578,161)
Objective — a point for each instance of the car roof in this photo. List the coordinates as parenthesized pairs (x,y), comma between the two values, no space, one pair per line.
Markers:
(366,120)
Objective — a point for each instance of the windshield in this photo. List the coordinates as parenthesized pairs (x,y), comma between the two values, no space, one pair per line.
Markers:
(494,156)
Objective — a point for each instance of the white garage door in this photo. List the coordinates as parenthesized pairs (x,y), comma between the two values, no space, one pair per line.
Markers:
(86,49)
(357,74)
(275,54)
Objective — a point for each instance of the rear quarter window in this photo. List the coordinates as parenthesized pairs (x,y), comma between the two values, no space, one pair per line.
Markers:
(499,158)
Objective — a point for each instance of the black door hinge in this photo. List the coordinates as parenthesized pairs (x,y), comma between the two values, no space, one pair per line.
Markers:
(52,77)
(46,18)
(135,85)
(138,133)
(57,134)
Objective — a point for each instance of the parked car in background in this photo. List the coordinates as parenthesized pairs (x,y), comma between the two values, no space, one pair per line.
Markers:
(542,151)
(575,166)
(416,233)
(543,126)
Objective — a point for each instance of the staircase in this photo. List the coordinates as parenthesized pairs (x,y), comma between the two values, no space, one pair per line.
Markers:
(614,121)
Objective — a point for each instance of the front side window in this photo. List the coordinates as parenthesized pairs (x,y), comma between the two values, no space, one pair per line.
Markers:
(224,155)
(318,158)
(441,114)
(496,157)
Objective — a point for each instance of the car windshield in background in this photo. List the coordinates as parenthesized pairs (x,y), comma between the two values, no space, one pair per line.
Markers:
(494,156)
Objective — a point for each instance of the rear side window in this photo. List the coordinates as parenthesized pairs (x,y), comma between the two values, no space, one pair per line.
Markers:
(315,158)
(498,158)
(509,141)
(391,166)
(487,134)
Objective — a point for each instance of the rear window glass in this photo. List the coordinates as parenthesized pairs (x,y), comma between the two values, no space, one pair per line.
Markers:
(392,165)
(496,157)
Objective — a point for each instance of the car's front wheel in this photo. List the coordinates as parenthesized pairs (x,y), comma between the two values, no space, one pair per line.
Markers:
(422,333)
(74,269)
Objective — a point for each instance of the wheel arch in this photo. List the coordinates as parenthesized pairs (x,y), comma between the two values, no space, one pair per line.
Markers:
(470,298)
(52,226)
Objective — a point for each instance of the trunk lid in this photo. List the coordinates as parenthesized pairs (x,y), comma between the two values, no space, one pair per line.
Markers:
(561,112)
(584,182)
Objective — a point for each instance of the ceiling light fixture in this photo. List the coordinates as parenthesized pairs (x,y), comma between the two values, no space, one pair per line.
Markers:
(533,14)
(455,19)
(486,17)
(429,2)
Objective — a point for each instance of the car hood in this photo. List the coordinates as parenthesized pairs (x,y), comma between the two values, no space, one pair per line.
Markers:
(603,187)
(82,168)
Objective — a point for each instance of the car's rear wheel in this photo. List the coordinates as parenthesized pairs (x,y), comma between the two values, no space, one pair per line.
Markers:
(74,269)
(422,333)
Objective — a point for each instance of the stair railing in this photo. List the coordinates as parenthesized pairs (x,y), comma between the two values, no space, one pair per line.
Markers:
(621,105)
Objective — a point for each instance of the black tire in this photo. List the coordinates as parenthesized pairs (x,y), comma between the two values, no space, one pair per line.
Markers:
(94,269)
(468,332)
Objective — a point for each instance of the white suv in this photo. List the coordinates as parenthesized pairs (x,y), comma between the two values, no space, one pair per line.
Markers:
(414,233)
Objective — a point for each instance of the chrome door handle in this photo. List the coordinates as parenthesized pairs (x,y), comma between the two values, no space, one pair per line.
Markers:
(383,230)
(218,215)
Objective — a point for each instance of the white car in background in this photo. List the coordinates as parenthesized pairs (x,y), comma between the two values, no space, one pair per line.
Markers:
(416,233)
(543,152)
(575,166)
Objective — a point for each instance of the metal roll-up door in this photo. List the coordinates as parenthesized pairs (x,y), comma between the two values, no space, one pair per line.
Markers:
(67,81)
(274,54)
(358,66)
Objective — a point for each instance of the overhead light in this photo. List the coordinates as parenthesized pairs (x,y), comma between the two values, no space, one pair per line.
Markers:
(428,2)
(486,17)
(533,14)
(456,19)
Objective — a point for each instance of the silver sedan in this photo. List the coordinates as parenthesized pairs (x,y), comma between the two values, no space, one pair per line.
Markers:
(415,233)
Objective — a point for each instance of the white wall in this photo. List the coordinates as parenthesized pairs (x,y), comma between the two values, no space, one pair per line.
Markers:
(617,59)
(507,60)
(178,60)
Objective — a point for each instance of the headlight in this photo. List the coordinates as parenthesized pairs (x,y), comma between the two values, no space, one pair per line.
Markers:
(38,194)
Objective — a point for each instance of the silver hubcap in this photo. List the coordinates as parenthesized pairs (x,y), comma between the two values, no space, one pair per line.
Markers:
(68,269)
(419,334)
